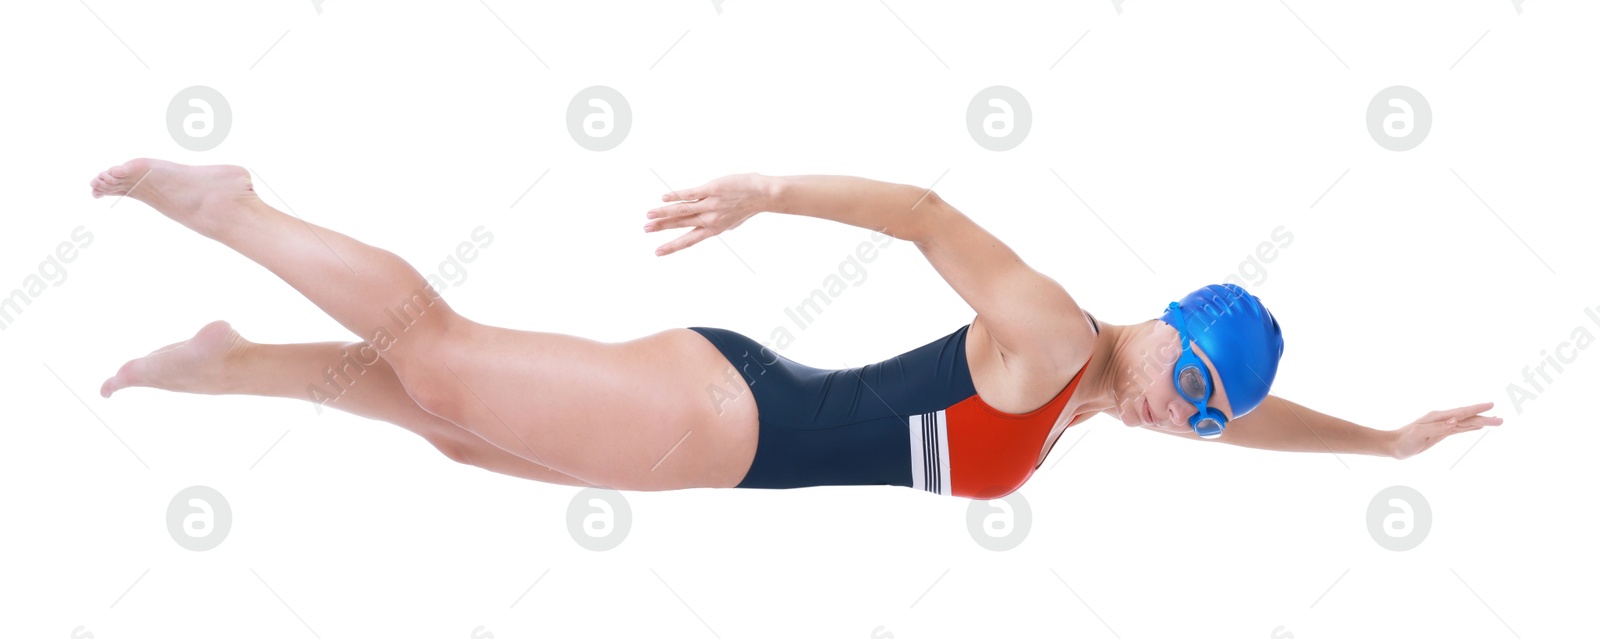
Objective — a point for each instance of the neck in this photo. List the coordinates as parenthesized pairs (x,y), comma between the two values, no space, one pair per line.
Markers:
(1103,380)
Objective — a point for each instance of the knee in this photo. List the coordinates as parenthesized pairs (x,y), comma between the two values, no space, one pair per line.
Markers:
(433,384)
(440,395)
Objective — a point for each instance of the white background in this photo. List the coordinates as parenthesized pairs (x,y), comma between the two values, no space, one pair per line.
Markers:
(1190,131)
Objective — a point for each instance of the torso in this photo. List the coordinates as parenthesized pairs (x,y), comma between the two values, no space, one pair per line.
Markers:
(1000,388)
(726,433)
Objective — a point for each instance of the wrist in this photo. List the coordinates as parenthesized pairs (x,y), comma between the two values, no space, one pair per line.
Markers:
(775,190)
(1389,443)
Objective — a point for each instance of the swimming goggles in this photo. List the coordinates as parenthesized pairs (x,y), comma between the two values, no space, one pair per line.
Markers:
(1193,380)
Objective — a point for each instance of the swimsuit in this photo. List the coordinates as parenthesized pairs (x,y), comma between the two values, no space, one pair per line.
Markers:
(912,420)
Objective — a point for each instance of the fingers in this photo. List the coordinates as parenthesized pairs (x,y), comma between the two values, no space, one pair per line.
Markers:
(684,241)
(680,215)
(1470,410)
(1458,413)
(690,194)
(665,223)
(1446,427)
(670,210)
(680,209)
(1475,422)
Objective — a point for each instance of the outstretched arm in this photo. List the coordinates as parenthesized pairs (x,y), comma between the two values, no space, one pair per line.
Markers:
(1035,324)
(899,210)
(1279,424)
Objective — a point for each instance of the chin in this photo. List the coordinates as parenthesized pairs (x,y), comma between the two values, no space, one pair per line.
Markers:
(1128,413)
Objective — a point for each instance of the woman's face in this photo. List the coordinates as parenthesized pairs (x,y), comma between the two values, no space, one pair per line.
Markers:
(1146,396)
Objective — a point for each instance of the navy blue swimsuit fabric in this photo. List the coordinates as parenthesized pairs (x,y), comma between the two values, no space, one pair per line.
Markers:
(842,427)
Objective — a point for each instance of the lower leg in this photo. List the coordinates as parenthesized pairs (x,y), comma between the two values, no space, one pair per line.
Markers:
(480,378)
(217,361)
(370,291)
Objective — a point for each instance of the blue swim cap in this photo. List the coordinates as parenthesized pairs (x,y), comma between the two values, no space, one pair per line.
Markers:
(1241,338)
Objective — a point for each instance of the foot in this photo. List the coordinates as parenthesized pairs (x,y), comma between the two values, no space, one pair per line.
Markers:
(199,365)
(199,197)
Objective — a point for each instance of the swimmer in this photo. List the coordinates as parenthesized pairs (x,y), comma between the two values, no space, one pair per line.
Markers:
(969,414)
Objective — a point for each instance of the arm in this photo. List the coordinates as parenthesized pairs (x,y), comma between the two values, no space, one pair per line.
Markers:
(1035,324)
(1028,315)
(898,210)
(1279,424)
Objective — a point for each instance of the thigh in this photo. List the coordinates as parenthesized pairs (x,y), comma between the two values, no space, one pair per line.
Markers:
(660,412)
(376,393)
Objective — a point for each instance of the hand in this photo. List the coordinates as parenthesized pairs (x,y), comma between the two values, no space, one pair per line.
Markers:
(716,206)
(1429,429)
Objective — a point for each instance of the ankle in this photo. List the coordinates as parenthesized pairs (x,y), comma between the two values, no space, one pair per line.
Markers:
(234,369)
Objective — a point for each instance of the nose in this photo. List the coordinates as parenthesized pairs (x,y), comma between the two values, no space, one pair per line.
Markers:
(1179,411)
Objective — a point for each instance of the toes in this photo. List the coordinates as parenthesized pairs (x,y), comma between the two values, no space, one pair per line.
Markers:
(120,171)
(112,385)
(118,382)
(131,374)
(101,185)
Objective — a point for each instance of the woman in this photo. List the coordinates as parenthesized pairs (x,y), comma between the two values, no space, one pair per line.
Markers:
(971,414)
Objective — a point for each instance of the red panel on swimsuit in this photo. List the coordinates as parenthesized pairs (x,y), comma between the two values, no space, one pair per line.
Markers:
(992,453)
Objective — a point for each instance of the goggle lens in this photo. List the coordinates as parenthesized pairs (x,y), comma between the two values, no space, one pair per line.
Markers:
(1192,383)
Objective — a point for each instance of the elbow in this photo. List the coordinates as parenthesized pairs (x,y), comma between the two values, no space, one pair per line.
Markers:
(929,214)
(926,199)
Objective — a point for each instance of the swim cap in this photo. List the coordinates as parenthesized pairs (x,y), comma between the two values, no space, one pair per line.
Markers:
(1241,338)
